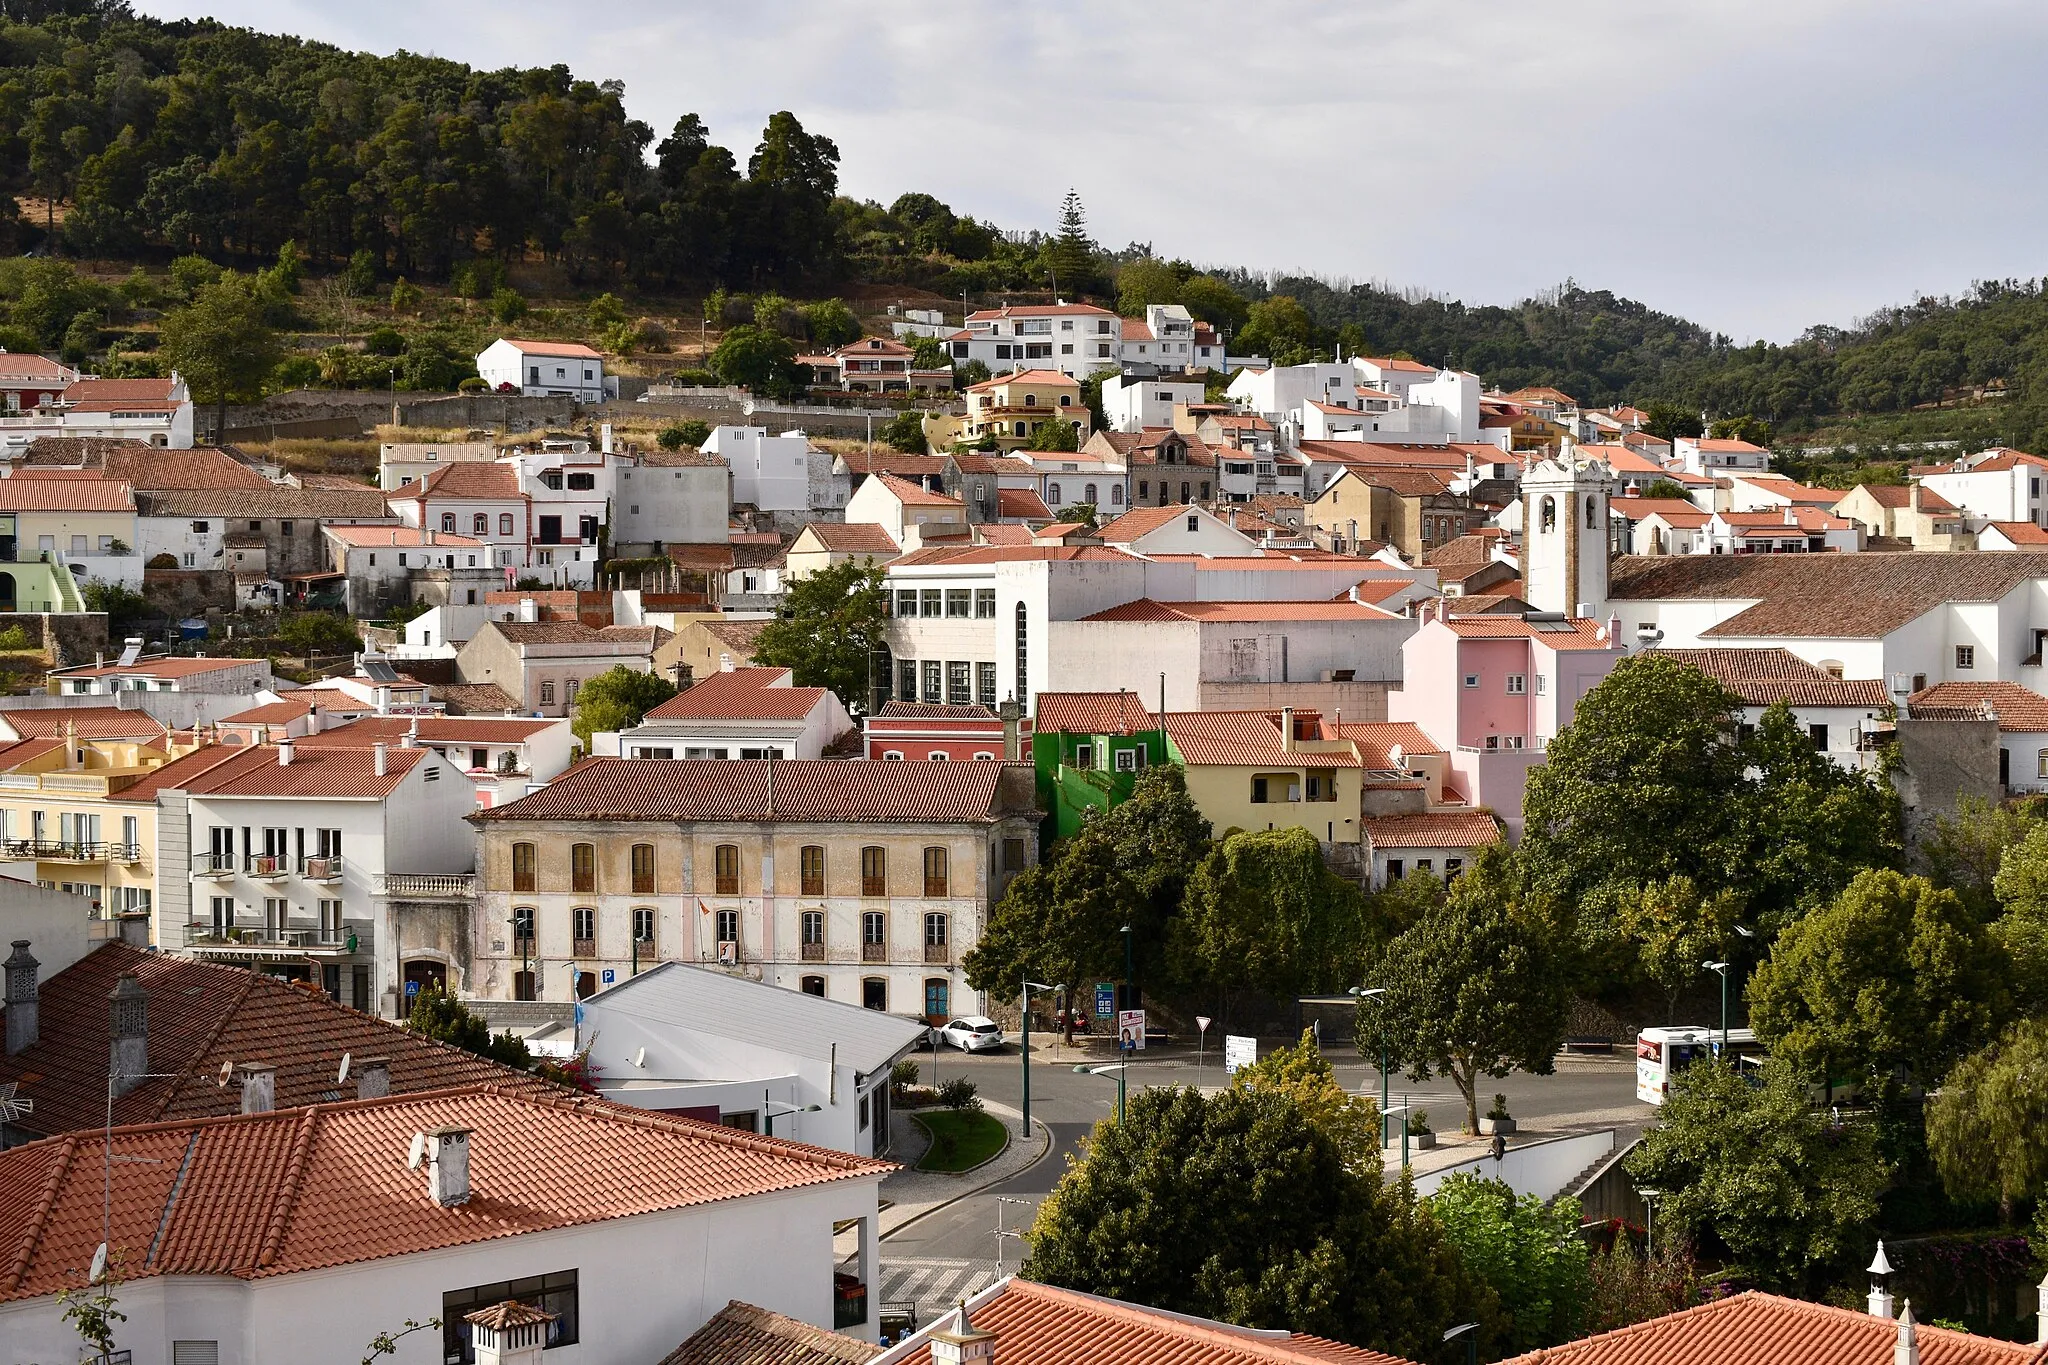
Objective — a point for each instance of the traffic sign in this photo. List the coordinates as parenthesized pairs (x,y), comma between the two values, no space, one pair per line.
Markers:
(1105,1000)
(610,975)
(1238,1052)
(1202,1024)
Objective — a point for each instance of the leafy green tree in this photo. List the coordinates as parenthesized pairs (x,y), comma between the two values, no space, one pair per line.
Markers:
(121,603)
(1673,929)
(1528,1251)
(929,353)
(1754,430)
(1628,1288)
(1263,911)
(2022,931)
(1476,986)
(190,274)
(445,1019)
(360,279)
(616,700)
(1306,1078)
(1810,825)
(1987,1127)
(507,305)
(1071,255)
(1966,851)
(1214,302)
(406,297)
(606,310)
(688,432)
(1894,974)
(1787,1190)
(1147,280)
(318,632)
(832,627)
(221,345)
(1667,488)
(1078,514)
(1238,1207)
(754,358)
(1669,420)
(1056,433)
(831,324)
(905,432)
(1280,329)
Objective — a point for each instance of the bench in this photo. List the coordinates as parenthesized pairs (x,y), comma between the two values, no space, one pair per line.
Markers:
(1590,1042)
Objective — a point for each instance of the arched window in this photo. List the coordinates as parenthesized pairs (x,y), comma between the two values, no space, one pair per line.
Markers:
(1116,495)
(522,924)
(583,867)
(448,521)
(522,867)
(1030,400)
(814,985)
(935,871)
(1088,494)
(643,868)
(1592,513)
(481,523)
(1052,495)
(504,523)
(1548,519)
(1023,656)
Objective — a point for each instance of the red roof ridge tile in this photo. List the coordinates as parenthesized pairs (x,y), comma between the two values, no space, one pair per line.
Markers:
(288,1192)
(32,1230)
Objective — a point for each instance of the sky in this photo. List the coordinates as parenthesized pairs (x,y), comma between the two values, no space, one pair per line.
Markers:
(1758,166)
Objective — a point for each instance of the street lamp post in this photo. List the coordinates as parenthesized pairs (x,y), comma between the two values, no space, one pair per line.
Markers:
(1378,993)
(1104,1071)
(1720,969)
(1024,1046)
(1129,1004)
(771,1113)
(1469,1331)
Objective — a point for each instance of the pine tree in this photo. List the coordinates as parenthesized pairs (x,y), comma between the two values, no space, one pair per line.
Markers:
(1071,255)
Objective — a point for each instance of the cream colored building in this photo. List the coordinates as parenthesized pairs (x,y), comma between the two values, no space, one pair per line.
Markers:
(861,880)
(1012,407)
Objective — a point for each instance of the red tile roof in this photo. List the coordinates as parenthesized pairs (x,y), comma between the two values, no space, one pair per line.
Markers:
(742,694)
(1036,1324)
(305,1189)
(914,494)
(66,495)
(1901,495)
(1021,502)
(487,480)
(201,1014)
(1010,554)
(1377,741)
(2018,532)
(157,668)
(2020,710)
(932,710)
(852,537)
(1025,377)
(1854,596)
(1246,739)
(87,722)
(1437,829)
(1142,521)
(317,771)
(895,462)
(1764,676)
(816,790)
(741,1334)
(1571,633)
(1721,445)
(1092,713)
(563,348)
(1412,457)
(1339,609)
(1403,366)
(1763,1329)
(1040,310)
(144,391)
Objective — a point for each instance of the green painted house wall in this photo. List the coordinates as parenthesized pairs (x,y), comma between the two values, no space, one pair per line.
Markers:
(1067,791)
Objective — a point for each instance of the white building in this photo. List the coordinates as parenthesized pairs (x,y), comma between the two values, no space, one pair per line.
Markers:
(1789,529)
(156,412)
(546,369)
(378,562)
(628,1232)
(739,713)
(1132,404)
(164,673)
(2000,485)
(679,496)
(1077,339)
(1716,455)
(402,462)
(908,514)
(712,1046)
(1841,716)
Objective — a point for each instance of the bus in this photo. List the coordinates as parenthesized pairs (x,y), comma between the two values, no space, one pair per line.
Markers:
(1661,1053)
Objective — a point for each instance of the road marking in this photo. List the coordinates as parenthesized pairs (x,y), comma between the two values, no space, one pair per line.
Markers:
(934,1283)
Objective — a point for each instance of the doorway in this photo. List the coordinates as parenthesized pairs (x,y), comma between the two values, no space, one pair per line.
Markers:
(586,985)
(422,974)
(935,999)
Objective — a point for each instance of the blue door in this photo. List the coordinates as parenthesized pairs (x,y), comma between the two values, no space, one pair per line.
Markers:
(935,998)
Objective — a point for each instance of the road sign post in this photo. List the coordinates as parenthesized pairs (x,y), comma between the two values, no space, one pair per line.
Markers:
(1201,1037)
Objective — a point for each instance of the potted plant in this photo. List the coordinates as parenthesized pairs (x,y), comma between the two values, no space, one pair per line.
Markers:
(1419,1131)
(1497,1119)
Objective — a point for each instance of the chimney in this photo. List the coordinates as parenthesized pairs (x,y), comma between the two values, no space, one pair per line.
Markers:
(259,1087)
(128,1050)
(448,1165)
(509,1333)
(377,752)
(412,734)
(725,663)
(962,1343)
(605,438)
(1913,494)
(1907,1349)
(1614,629)
(1012,716)
(529,610)
(21,1005)
(1287,728)
(313,721)
(284,752)
(1880,1291)
(99,658)
(373,1078)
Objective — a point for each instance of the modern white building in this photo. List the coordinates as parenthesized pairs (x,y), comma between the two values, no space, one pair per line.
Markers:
(779,473)
(546,369)
(155,412)
(1132,404)
(679,497)
(2000,485)
(1716,455)
(1077,339)
(739,713)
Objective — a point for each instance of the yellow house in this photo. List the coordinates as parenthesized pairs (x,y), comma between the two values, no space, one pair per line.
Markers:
(1012,407)
(57,812)
(1254,770)
(74,517)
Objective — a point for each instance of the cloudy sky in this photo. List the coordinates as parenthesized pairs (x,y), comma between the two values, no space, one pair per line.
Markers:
(1757,165)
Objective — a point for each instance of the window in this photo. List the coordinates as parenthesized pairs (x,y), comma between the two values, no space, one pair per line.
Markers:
(554,1294)
(956,683)
(583,923)
(643,868)
(1084,755)
(504,523)
(959,602)
(522,867)
(1052,495)
(874,930)
(1194,523)
(1116,495)
(1127,760)
(814,985)
(728,926)
(932,599)
(985,682)
(906,680)
(522,924)
(1542,684)
(547,694)
(874,871)
(985,604)
(448,521)
(1471,680)
(935,930)
(814,928)
(1259,791)
(480,524)
(726,862)
(1546,520)
(906,602)
(1966,656)
(938,755)
(1592,513)
(935,871)
(934,680)
(811,869)
(199,527)
(582,867)
(1518,684)
(1023,659)
(1819,734)
(643,925)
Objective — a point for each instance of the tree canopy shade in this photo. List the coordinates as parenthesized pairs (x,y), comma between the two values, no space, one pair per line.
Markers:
(1987,1127)
(221,344)
(1305,1077)
(1526,1250)
(1238,1207)
(756,358)
(1263,911)
(447,1020)
(616,699)
(1476,986)
(832,626)
(1786,1189)
(319,632)
(904,432)
(1894,974)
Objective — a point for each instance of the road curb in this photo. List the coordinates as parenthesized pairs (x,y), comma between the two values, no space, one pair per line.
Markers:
(1045,1150)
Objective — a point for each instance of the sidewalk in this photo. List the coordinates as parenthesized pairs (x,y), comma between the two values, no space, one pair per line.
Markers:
(910,1194)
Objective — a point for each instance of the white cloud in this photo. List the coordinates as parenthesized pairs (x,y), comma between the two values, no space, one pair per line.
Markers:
(1755,166)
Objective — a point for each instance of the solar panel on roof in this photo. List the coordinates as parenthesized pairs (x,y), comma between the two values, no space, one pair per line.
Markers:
(131,653)
(378,671)
(1555,627)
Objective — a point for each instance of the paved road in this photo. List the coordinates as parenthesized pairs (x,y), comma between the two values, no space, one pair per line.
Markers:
(961,1238)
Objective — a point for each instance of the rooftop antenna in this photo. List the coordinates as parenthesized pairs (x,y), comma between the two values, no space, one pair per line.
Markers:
(12,1105)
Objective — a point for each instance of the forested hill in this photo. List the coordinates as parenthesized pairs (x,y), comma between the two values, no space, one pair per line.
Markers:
(128,139)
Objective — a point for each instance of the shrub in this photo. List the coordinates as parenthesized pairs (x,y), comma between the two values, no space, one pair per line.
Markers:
(406,296)
(903,1075)
(1500,1108)
(959,1095)
(166,560)
(507,305)
(318,632)
(360,279)
(14,639)
(385,341)
(689,432)
(1418,1122)
(473,384)
(701,379)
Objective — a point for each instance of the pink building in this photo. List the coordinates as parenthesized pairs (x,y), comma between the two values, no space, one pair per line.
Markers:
(927,730)
(1494,690)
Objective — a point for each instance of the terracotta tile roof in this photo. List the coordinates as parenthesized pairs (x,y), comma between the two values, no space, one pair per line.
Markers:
(304,1189)
(1437,829)
(1797,517)
(1002,533)
(1092,713)
(201,1014)
(1723,446)
(562,348)
(895,462)
(1474,547)
(66,495)
(473,697)
(1009,554)
(276,500)
(144,466)
(1763,1329)
(399,537)
(87,722)
(1021,502)
(157,668)
(368,731)
(1246,739)
(1146,451)
(272,713)
(570,633)
(316,771)
(852,537)
(1411,457)
(1377,741)
(1025,377)
(1142,521)
(1763,676)
(2020,710)
(491,481)
(914,494)
(932,710)
(980,462)
(2018,532)
(1570,633)
(1901,495)
(14,754)
(1037,1324)
(1854,596)
(1402,366)
(27,365)
(821,790)
(1635,509)
(1341,609)
(742,694)
(1040,310)
(1407,483)
(741,1334)
(120,391)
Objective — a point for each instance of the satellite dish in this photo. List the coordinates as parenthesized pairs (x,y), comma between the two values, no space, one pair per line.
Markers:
(99,1265)
(227,1073)
(341,1076)
(418,1153)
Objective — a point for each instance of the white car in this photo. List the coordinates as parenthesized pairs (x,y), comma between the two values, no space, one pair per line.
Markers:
(975,1033)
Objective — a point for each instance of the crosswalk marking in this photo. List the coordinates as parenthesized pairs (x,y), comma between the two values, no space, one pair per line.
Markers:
(934,1284)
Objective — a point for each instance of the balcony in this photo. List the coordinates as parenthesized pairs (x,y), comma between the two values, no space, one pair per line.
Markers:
(428,886)
(874,952)
(325,867)
(70,851)
(813,952)
(267,867)
(289,940)
(583,947)
(218,866)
